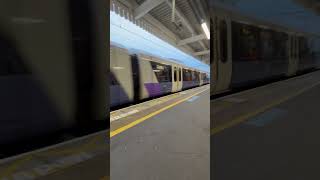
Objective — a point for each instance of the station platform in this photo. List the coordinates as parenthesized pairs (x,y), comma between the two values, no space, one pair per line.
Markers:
(80,158)
(166,138)
(270,132)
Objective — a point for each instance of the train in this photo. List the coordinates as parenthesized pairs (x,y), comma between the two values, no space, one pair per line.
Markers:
(52,83)
(136,76)
(247,51)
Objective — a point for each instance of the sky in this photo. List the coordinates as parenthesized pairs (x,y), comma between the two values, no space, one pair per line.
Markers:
(134,38)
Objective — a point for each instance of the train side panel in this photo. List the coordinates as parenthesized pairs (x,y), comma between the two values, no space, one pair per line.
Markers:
(155,78)
(251,52)
(221,45)
(121,87)
(307,53)
(191,78)
(201,79)
(258,54)
(316,52)
(293,60)
(136,77)
(176,78)
(204,79)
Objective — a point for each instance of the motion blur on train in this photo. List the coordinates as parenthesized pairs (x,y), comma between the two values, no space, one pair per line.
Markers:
(52,84)
(247,52)
(136,76)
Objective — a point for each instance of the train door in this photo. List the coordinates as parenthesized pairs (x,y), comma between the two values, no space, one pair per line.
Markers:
(179,81)
(222,57)
(198,78)
(121,74)
(293,55)
(175,81)
(298,54)
(201,78)
(213,55)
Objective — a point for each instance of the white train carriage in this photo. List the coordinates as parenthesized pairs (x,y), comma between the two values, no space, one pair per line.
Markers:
(136,76)
(246,51)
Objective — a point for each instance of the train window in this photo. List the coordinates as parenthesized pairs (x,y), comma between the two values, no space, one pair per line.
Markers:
(311,46)
(280,46)
(179,74)
(205,77)
(175,74)
(245,42)
(187,75)
(292,45)
(10,61)
(295,47)
(163,72)
(303,49)
(223,41)
(299,48)
(267,48)
(195,76)
(273,45)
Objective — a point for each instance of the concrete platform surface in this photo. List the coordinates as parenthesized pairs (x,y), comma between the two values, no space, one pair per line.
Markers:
(173,144)
(81,158)
(279,142)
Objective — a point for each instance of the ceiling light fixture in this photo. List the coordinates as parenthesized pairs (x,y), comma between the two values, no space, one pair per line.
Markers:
(206,29)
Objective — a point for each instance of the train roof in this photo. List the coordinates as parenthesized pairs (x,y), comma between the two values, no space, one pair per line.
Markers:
(220,10)
(147,55)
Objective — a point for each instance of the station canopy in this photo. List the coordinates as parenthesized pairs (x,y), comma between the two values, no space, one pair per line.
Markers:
(134,38)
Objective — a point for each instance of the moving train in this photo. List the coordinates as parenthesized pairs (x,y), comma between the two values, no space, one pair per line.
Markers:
(246,51)
(136,76)
(51,72)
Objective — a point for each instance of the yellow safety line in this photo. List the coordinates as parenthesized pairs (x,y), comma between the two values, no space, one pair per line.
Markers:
(138,121)
(164,98)
(243,118)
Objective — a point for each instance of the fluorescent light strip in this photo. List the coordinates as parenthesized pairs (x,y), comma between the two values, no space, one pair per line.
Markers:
(206,29)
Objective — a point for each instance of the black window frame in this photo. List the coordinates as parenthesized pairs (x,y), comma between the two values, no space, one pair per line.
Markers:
(163,75)
(175,78)
(223,27)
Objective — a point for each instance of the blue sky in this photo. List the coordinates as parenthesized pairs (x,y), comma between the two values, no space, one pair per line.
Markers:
(134,38)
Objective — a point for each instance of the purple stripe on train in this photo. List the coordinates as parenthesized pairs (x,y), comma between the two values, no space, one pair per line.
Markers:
(154,89)
(157,89)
